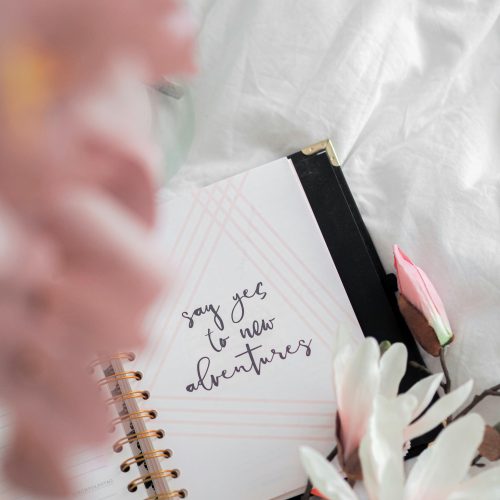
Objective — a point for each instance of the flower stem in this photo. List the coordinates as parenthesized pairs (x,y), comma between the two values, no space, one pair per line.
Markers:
(492,391)
(476,463)
(420,367)
(424,369)
(447,380)
(332,454)
(307,493)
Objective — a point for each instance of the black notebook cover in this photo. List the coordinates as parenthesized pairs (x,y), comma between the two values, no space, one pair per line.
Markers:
(370,290)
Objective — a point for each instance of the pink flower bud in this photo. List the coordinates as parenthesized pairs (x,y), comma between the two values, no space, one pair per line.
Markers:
(417,289)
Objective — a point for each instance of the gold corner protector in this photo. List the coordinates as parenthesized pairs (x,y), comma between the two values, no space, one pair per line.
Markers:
(325,146)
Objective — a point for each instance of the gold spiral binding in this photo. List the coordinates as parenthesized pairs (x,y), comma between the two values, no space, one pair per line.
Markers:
(135,437)
(128,395)
(135,415)
(173,473)
(166,496)
(119,376)
(118,446)
(128,356)
(125,465)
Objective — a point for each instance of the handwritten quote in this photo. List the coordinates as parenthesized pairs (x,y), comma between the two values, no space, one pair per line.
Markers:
(236,327)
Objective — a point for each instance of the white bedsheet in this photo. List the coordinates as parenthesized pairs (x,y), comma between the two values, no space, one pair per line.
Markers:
(409,91)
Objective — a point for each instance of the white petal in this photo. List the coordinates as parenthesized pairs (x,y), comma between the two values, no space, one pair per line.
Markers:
(344,346)
(392,479)
(392,369)
(381,449)
(369,465)
(411,487)
(341,363)
(424,391)
(324,476)
(439,411)
(484,486)
(360,385)
(447,461)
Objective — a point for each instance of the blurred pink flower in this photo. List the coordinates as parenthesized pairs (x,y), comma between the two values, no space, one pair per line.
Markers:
(416,288)
(78,268)
(83,39)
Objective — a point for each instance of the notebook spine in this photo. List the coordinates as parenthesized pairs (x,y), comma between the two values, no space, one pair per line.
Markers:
(133,419)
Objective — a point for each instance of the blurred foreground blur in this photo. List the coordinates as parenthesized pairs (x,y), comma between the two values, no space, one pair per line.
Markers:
(78,169)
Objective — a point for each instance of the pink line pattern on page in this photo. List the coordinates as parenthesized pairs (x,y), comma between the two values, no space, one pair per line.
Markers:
(197,255)
(330,426)
(252,437)
(86,461)
(286,413)
(284,262)
(169,258)
(209,257)
(348,313)
(248,400)
(227,217)
(248,424)
(87,472)
(271,281)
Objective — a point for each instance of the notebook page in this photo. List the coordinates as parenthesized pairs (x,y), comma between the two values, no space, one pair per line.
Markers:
(239,356)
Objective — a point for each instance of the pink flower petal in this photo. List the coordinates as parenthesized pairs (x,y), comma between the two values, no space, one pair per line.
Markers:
(416,287)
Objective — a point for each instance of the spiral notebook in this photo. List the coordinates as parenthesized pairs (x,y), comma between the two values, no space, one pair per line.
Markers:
(266,266)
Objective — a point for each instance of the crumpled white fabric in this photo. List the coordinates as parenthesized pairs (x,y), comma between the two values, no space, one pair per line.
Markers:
(409,91)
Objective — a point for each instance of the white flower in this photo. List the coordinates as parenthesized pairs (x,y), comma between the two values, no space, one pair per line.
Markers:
(361,374)
(440,473)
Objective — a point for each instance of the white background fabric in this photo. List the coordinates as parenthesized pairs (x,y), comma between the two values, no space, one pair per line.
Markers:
(409,91)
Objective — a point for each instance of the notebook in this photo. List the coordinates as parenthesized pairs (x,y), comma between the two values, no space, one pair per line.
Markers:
(267,267)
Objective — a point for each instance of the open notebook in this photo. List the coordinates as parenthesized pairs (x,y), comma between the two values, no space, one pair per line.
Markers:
(239,360)
(238,364)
